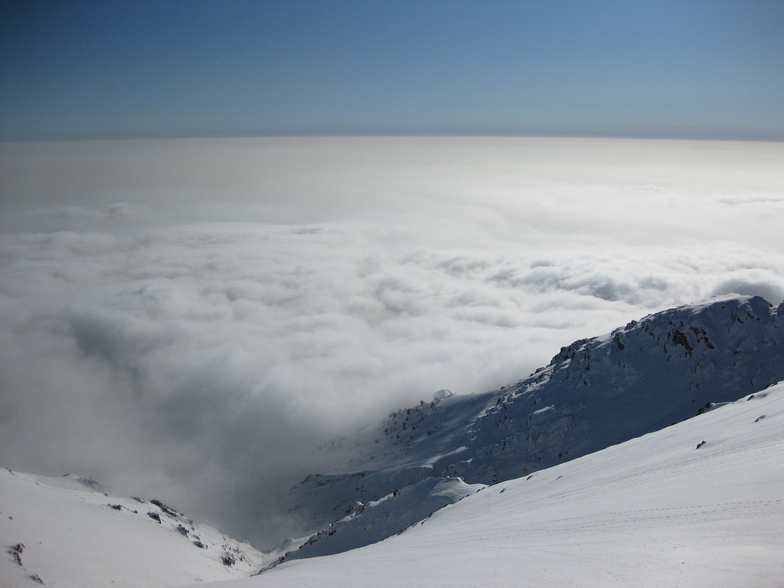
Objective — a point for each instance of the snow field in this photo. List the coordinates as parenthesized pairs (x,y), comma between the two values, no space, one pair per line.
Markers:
(654,511)
(75,537)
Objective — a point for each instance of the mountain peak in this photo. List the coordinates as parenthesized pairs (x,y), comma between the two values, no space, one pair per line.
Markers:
(596,392)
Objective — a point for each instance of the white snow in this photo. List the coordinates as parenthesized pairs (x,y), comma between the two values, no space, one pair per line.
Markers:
(654,511)
(431,460)
(73,537)
(545,409)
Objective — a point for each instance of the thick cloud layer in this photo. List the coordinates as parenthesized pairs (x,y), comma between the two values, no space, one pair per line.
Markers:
(189,319)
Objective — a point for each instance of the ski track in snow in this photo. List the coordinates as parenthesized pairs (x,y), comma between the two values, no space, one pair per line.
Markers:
(654,511)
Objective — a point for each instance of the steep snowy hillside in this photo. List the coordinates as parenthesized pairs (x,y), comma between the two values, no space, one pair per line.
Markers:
(696,504)
(595,393)
(64,532)
(369,523)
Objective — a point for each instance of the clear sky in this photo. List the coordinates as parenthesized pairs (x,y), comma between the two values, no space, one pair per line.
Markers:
(154,68)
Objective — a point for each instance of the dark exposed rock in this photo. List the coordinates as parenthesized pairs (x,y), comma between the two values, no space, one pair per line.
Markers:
(228,560)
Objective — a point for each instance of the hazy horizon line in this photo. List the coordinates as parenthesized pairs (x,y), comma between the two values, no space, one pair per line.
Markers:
(620,136)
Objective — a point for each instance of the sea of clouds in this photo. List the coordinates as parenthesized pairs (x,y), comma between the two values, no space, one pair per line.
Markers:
(189,319)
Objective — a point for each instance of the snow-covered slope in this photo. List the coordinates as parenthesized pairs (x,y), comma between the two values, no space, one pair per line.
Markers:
(696,504)
(64,532)
(369,523)
(595,393)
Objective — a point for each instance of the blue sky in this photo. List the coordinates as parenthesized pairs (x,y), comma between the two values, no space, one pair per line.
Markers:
(116,69)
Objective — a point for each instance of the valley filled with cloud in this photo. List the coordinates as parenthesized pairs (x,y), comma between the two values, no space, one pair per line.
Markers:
(190,319)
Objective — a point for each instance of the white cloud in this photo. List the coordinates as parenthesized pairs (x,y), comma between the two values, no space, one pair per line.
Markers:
(757,281)
(247,299)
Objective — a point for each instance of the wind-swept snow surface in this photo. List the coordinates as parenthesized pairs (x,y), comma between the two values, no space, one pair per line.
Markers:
(64,532)
(696,504)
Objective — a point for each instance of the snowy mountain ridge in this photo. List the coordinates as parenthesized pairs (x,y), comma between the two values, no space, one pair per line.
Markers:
(696,504)
(597,392)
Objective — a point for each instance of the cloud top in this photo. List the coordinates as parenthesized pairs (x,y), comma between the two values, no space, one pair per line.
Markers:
(191,318)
